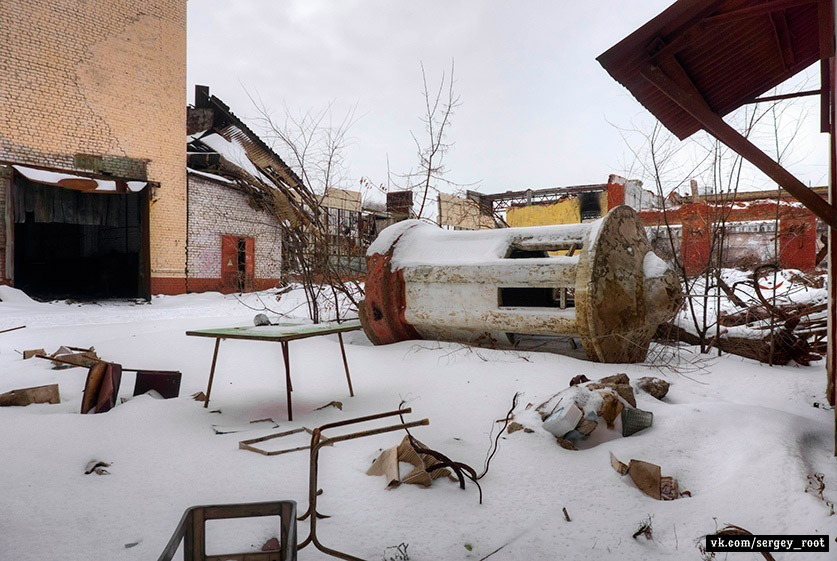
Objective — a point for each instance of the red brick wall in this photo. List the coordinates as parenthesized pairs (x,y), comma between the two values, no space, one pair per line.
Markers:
(797,230)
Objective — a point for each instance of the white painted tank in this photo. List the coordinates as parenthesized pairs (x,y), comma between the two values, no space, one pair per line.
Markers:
(495,287)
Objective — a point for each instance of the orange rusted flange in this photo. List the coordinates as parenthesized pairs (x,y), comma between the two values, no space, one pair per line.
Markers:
(382,310)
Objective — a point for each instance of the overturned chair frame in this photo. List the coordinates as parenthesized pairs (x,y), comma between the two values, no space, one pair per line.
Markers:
(192,531)
(317,442)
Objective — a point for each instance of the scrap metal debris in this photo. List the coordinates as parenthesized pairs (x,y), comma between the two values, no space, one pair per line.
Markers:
(648,479)
(27,396)
(249,444)
(337,404)
(97,467)
(101,387)
(615,257)
(165,382)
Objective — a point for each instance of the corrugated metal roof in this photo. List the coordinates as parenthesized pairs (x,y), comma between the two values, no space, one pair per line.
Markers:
(729,63)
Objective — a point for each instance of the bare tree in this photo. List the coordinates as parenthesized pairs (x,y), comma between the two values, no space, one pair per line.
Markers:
(313,143)
(671,164)
(440,104)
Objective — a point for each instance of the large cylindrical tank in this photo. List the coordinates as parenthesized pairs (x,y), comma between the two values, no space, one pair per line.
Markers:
(493,287)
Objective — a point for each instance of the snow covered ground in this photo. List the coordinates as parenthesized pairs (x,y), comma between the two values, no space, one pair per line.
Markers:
(740,436)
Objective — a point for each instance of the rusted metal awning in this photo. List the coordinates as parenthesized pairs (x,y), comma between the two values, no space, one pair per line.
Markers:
(78,182)
(701,59)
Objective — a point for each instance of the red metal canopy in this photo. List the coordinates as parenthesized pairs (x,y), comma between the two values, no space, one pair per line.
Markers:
(701,59)
(731,50)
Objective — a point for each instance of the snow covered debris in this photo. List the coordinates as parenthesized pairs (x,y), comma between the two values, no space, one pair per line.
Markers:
(742,435)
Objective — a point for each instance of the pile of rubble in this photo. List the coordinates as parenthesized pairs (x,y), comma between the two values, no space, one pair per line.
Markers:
(602,409)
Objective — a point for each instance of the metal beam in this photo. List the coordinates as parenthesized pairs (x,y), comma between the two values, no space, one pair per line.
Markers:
(696,106)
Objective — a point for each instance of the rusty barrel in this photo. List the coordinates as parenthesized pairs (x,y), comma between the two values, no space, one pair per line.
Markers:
(598,281)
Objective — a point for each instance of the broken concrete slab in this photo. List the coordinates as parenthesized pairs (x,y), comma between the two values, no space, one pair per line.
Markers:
(653,386)
(27,396)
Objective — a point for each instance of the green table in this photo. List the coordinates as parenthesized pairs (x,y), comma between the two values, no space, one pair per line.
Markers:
(282,333)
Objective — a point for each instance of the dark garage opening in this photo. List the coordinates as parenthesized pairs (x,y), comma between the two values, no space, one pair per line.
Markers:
(73,244)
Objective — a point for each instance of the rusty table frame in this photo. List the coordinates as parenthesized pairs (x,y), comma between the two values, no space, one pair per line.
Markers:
(283,334)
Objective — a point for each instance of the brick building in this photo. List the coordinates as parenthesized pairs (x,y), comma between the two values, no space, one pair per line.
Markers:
(92,121)
(240,196)
(756,229)
(754,226)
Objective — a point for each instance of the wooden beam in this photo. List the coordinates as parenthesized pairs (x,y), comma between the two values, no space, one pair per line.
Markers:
(783,39)
(696,106)
(780,97)
(758,10)
(658,49)
(826,35)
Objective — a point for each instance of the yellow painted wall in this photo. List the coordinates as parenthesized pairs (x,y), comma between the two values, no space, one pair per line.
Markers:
(562,212)
(567,211)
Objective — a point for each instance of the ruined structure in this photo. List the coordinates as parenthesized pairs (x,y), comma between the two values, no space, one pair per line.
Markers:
(241,195)
(95,91)
(499,287)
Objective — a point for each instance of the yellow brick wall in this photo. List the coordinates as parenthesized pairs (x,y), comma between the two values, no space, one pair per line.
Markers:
(106,78)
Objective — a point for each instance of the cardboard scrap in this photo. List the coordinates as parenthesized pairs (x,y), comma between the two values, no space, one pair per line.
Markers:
(387,465)
(611,407)
(76,356)
(26,396)
(648,479)
(33,352)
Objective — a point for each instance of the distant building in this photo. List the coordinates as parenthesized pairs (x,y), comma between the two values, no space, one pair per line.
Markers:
(564,205)
(757,227)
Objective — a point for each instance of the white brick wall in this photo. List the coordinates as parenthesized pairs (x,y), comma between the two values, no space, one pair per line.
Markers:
(216,209)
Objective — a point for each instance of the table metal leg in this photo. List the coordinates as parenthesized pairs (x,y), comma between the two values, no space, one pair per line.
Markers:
(346,365)
(212,372)
(288,387)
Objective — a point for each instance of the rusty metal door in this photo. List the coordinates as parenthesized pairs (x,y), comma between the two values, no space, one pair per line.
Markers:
(229,264)
(249,264)
(238,264)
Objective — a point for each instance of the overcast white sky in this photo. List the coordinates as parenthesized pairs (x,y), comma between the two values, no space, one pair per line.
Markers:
(537,109)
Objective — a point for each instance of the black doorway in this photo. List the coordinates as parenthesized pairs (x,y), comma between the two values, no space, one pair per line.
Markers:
(71,244)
